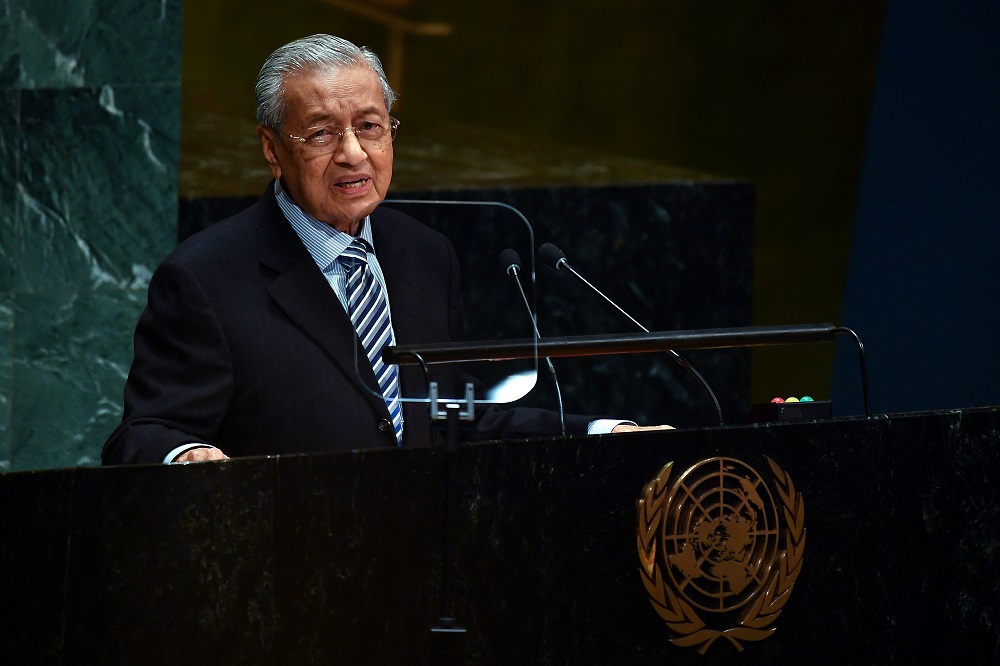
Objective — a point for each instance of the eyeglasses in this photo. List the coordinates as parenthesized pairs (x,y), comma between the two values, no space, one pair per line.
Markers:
(322,140)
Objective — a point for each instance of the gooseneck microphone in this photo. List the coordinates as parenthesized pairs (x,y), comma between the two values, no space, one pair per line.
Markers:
(511,262)
(552,256)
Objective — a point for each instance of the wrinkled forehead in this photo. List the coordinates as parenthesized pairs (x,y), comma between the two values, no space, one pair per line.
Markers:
(317,92)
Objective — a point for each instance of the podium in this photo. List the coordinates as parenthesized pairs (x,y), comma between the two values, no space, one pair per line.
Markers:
(338,558)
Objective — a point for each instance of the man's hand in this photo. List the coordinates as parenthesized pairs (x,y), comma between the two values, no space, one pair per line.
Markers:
(625,427)
(202,454)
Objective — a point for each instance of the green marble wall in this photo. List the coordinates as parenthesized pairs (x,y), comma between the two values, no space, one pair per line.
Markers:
(89,127)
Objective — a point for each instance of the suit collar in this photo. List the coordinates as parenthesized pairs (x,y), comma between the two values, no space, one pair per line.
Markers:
(278,247)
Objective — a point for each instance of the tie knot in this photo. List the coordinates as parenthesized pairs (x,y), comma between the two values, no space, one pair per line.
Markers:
(354,255)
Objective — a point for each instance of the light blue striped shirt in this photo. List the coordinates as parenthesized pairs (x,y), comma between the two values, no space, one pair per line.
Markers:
(325,244)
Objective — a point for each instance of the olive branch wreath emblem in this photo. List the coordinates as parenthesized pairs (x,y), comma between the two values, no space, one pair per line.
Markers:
(679,615)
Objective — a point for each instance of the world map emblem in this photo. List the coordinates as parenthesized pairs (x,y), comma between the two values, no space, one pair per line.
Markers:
(720,549)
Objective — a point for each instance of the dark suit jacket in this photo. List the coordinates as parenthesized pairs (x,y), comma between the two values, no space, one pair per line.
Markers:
(243,345)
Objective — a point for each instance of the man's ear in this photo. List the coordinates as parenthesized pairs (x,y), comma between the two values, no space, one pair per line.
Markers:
(268,144)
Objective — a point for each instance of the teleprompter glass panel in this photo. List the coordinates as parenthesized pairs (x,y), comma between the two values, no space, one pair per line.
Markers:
(472,332)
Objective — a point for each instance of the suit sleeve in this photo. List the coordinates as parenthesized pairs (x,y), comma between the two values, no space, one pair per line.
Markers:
(181,380)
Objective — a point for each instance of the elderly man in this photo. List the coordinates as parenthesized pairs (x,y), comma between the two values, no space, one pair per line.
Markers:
(249,340)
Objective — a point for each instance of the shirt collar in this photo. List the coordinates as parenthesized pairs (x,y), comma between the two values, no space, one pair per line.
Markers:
(322,241)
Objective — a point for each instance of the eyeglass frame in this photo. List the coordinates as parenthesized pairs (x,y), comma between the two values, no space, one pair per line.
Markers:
(340,132)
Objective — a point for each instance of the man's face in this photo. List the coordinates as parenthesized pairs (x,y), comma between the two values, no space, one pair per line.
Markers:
(342,186)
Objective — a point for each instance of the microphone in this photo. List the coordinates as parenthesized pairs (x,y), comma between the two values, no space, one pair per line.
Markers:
(552,256)
(511,262)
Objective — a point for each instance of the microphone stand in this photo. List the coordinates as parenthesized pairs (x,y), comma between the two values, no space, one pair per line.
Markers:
(512,264)
(447,636)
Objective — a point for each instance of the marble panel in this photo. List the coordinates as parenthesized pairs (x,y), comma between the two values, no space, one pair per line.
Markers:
(10,43)
(9,160)
(357,565)
(535,535)
(71,354)
(98,185)
(338,558)
(35,512)
(6,377)
(959,484)
(98,42)
(138,566)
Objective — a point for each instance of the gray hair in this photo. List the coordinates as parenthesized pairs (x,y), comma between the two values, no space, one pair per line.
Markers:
(308,54)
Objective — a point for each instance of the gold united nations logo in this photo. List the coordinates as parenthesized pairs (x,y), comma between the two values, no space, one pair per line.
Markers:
(720,550)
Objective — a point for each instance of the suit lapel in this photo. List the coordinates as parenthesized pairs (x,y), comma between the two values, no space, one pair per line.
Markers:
(302,292)
(405,303)
(392,258)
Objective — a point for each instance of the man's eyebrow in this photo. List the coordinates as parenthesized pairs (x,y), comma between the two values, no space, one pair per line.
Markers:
(316,119)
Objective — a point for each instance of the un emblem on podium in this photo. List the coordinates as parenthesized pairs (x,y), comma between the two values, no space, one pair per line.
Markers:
(720,549)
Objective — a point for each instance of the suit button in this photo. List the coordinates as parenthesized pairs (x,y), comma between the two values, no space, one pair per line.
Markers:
(385,425)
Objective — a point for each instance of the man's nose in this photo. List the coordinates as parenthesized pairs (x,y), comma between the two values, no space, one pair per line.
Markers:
(350,150)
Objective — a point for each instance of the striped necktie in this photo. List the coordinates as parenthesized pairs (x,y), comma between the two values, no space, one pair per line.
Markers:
(369,310)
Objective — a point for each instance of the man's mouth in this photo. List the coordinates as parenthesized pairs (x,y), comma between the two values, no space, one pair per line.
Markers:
(353,184)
